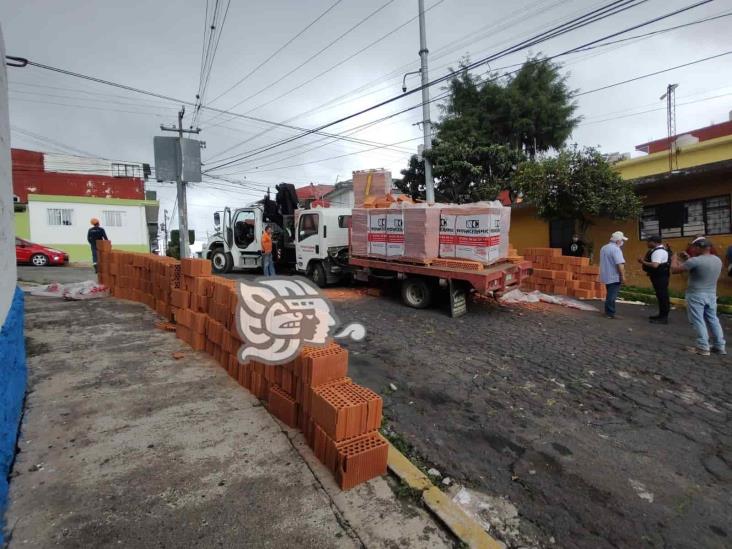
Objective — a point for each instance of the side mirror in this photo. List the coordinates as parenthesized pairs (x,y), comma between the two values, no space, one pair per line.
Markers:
(217,219)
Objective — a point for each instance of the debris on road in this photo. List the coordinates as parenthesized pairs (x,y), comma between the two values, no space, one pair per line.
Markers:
(433,472)
(76,291)
(178,356)
(518,296)
(166,326)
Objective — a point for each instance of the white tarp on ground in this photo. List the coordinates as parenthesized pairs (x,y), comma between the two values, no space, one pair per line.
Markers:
(89,289)
(517,296)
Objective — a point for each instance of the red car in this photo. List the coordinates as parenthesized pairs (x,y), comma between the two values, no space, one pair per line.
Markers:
(37,255)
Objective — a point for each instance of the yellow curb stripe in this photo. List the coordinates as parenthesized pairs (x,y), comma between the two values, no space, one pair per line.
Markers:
(463,526)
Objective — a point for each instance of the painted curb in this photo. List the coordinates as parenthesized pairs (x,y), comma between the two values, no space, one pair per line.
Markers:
(678,301)
(465,528)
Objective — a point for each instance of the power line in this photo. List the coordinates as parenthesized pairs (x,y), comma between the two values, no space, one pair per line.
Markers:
(206,74)
(586,19)
(632,114)
(277,51)
(336,65)
(316,54)
(595,15)
(335,101)
(176,100)
(642,76)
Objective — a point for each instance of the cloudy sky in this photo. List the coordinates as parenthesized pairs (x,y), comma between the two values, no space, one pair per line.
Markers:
(323,75)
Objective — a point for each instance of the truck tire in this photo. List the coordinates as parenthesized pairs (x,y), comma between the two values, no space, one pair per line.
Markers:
(317,275)
(416,293)
(221,261)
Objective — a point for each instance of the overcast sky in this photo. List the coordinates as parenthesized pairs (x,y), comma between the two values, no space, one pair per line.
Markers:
(157,46)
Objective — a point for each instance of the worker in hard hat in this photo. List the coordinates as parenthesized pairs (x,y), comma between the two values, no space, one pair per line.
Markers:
(95,233)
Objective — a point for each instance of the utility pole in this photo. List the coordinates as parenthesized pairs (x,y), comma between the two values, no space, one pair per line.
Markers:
(426,123)
(165,231)
(181,185)
(670,97)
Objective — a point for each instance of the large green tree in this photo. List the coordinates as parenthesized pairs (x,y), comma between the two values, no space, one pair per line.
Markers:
(489,126)
(577,183)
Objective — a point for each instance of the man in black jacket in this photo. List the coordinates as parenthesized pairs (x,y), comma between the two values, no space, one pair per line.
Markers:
(657,265)
(95,233)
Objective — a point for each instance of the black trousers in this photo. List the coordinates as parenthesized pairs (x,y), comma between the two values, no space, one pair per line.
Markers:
(660,286)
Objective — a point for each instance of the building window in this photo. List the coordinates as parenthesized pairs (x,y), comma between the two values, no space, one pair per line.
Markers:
(126,170)
(113,218)
(705,216)
(59,216)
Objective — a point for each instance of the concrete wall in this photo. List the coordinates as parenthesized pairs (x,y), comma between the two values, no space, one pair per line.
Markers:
(13,373)
(72,238)
(340,198)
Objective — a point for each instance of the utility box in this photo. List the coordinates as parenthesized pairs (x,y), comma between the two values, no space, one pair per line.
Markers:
(168,162)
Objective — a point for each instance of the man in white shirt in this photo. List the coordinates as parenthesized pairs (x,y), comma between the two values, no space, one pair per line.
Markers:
(612,270)
(657,265)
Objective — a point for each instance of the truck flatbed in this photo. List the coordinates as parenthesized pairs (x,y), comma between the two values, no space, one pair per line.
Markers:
(493,279)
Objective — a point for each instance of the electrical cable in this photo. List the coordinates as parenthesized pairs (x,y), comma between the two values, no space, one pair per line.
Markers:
(606,11)
(316,54)
(277,51)
(527,43)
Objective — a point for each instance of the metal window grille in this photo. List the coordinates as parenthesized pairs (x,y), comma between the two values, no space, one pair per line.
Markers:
(59,216)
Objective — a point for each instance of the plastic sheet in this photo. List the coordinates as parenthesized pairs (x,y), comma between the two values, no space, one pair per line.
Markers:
(517,296)
(77,291)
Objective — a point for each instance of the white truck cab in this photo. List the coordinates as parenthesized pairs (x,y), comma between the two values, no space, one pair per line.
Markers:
(321,243)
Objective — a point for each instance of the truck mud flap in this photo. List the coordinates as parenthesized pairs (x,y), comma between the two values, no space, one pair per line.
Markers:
(458,299)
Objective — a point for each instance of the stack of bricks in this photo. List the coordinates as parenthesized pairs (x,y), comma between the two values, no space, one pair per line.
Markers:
(340,419)
(145,278)
(558,274)
(513,255)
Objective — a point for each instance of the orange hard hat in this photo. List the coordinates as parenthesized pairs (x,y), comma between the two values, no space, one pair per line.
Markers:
(94,221)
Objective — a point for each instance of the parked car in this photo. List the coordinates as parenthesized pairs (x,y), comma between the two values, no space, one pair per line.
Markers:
(38,255)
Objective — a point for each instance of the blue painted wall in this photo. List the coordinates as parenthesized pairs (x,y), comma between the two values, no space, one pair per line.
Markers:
(13,377)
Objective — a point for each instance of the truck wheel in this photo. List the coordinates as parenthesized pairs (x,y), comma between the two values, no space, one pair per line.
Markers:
(416,293)
(317,275)
(221,262)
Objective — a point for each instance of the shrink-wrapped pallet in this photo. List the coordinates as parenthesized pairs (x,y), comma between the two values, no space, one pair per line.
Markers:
(360,232)
(377,232)
(370,183)
(475,232)
(421,232)
(394,233)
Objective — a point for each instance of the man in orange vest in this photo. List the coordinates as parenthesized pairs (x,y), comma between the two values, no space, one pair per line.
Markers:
(267,262)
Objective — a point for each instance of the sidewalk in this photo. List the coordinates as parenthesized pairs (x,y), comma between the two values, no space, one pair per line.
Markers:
(122,445)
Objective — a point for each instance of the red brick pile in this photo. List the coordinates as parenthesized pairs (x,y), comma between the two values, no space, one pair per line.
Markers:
(559,274)
(340,419)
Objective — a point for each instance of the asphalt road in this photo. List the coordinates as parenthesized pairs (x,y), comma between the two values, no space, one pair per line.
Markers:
(603,433)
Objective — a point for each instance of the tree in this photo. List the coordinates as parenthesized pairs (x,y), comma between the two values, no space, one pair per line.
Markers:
(491,125)
(576,184)
(463,172)
(412,182)
(531,111)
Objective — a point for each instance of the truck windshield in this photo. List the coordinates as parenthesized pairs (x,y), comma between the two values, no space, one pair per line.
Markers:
(244,229)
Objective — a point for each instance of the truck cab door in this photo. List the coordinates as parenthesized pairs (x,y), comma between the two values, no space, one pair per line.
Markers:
(226,230)
(308,241)
(247,230)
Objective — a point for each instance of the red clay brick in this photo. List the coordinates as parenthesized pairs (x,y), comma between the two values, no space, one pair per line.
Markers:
(345,410)
(282,406)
